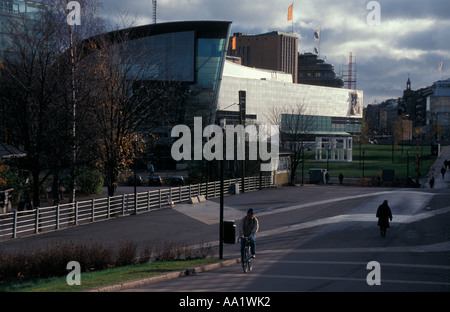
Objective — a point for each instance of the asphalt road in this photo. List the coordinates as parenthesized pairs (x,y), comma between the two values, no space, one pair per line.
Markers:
(322,238)
(312,239)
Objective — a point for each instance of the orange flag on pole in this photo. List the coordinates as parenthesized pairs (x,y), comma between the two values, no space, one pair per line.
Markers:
(289,16)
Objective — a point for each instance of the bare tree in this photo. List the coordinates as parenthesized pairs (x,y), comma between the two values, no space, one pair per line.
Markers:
(72,38)
(125,100)
(401,130)
(72,102)
(296,125)
(29,84)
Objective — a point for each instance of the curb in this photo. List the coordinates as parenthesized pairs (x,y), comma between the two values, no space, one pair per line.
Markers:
(163,277)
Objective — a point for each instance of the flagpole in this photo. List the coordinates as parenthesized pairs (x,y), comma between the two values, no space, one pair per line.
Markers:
(316,38)
(441,69)
(292,16)
(320,40)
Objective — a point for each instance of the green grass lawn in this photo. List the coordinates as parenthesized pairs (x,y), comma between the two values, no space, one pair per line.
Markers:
(376,158)
(90,280)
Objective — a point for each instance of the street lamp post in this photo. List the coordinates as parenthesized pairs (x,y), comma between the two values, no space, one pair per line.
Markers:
(135,174)
(363,154)
(407,165)
(223,123)
(328,154)
(303,161)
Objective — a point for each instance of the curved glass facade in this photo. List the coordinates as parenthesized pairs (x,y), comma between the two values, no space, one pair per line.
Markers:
(209,68)
(168,57)
(186,57)
(191,54)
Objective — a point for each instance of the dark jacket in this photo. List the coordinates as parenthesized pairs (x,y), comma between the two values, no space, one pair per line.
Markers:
(384,214)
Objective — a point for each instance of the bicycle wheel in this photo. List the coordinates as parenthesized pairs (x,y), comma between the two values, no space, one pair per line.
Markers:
(245,260)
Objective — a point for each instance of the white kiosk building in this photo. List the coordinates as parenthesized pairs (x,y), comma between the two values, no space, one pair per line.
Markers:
(334,148)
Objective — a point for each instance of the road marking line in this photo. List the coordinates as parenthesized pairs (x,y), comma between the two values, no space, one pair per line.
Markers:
(438,247)
(350,279)
(406,265)
(352,218)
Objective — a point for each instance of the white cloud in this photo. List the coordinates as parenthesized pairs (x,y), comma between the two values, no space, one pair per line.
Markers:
(411,39)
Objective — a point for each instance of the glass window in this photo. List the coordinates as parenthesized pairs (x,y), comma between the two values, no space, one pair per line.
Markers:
(168,57)
(209,66)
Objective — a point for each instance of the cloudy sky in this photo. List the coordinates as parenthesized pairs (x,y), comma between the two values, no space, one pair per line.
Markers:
(412,38)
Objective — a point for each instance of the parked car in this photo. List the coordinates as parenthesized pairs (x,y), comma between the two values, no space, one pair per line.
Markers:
(155,180)
(176,181)
(139,180)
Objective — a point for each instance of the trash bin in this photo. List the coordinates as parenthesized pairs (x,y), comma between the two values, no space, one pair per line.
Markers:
(229,232)
(233,189)
(317,175)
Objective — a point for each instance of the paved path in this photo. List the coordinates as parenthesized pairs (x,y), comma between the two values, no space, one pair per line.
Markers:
(325,245)
(440,182)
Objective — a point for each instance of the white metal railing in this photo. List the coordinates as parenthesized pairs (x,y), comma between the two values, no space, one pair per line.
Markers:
(22,223)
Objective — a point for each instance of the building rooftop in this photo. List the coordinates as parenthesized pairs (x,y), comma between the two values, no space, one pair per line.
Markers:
(271,33)
(232,69)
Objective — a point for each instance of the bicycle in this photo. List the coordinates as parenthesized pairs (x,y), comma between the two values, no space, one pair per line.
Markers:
(246,257)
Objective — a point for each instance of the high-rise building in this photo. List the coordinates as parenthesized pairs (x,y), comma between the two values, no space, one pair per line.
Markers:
(274,51)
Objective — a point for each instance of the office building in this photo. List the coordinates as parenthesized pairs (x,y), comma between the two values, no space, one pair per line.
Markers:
(438,109)
(427,108)
(275,50)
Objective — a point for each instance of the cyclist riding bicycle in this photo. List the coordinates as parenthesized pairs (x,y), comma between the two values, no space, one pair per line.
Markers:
(248,228)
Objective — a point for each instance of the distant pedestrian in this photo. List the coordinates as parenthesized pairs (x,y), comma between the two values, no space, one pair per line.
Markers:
(152,170)
(341,178)
(443,172)
(327,177)
(378,180)
(384,214)
(432,182)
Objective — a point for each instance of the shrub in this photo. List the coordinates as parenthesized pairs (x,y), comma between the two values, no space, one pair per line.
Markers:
(100,257)
(126,253)
(90,182)
(52,261)
(145,255)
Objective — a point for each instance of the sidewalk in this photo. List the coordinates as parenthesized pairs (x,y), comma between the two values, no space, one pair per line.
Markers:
(439,181)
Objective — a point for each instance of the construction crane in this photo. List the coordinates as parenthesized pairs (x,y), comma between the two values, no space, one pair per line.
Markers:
(154,11)
(350,79)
